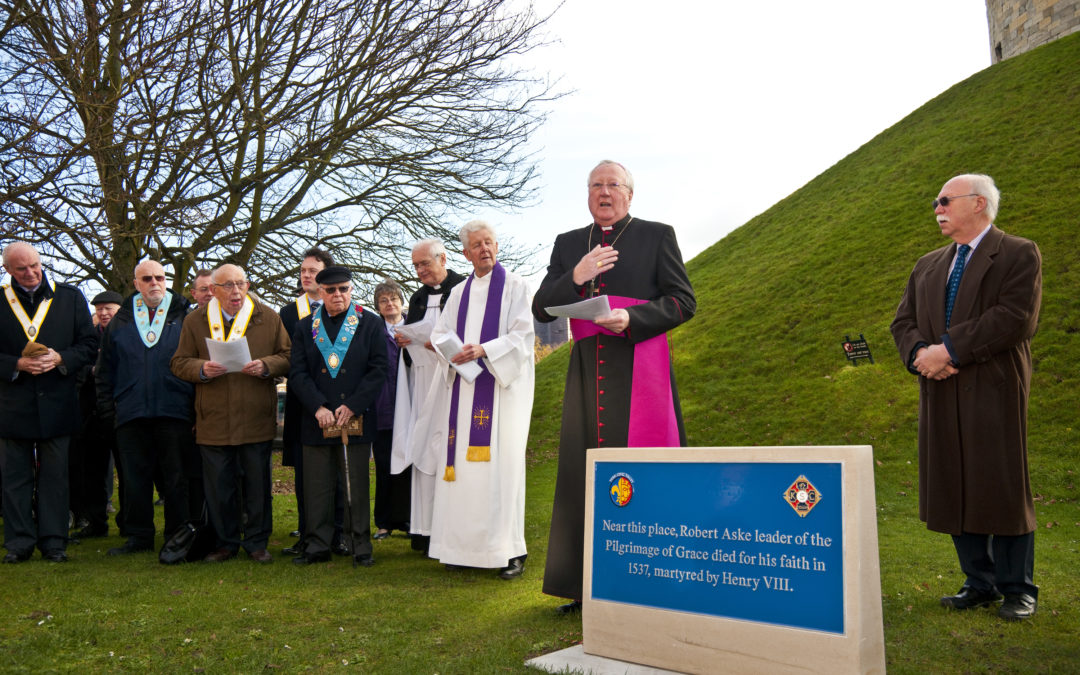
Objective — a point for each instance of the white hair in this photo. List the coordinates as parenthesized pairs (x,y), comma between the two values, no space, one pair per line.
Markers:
(475,226)
(983,185)
(434,247)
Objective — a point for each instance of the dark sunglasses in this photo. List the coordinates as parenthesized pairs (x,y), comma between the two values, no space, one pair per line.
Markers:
(330,290)
(147,278)
(944,201)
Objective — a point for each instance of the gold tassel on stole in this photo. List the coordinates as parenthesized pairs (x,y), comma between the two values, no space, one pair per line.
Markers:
(478,453)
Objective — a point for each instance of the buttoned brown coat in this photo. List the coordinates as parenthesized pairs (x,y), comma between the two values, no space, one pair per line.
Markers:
(235,408)
(973,470)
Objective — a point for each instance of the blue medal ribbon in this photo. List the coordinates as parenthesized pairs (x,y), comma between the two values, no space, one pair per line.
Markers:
(150,331)
(333,351)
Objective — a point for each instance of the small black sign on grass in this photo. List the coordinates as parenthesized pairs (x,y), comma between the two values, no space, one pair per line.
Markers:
(856,349)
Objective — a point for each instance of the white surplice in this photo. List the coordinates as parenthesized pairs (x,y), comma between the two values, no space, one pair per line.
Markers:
(414,383)
(479,518)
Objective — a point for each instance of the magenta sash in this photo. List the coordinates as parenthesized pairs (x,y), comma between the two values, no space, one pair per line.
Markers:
(652,407)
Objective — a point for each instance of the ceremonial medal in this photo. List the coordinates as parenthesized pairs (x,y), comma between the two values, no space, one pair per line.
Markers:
(333,361)
(31,331)
(344,338)
(352,320)
(151,336)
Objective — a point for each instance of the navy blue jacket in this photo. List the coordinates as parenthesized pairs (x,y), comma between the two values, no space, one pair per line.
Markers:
(361,377)
(134,381)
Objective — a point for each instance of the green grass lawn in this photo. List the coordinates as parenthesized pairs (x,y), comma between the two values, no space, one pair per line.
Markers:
(760,364)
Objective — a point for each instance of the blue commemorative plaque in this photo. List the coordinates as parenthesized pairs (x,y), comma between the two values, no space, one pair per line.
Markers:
(749,541)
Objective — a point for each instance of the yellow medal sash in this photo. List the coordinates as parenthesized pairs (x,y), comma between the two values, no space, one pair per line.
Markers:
(30,326)
(303,306)
(217,321)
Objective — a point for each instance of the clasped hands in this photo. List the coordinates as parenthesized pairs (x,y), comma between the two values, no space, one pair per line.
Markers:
(339,417)
(594,263)
(934,362)
(38,365)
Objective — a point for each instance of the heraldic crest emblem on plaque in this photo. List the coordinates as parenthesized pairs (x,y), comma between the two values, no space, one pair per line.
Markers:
(802,496)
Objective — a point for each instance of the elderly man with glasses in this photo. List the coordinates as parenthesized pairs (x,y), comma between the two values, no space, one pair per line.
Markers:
(417,369)
(625,395)
(964,327)
(150,407)
(236,408)
(338,368)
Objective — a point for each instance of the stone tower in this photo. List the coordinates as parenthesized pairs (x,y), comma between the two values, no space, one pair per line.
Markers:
(1017,26)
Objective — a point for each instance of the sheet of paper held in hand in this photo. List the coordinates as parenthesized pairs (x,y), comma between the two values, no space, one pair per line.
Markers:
(233,354)
(591,309)
(418,333)
(449,346)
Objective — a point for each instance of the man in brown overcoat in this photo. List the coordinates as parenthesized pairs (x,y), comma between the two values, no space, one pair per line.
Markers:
(964,326)
(235,408)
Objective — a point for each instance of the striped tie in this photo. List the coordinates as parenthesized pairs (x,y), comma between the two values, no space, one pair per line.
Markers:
(954,281)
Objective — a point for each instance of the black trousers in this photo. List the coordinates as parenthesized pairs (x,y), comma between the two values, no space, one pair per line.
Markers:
(324,474)
(148,445)
(221,465)
(998,561)
(24,471)
(91,475)
(393,492)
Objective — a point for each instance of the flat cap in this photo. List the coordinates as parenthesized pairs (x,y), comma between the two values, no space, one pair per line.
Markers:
(106,297)
(333,275)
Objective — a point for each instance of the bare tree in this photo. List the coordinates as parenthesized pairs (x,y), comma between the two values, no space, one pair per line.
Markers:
(202,131)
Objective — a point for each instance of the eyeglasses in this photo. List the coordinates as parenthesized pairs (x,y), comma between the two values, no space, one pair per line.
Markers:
(944,201)
(232,285)
(330,290)
(147,278)
(610,186)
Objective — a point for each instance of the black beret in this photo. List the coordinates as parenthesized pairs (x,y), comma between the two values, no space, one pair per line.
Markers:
(333,275)
(106,297)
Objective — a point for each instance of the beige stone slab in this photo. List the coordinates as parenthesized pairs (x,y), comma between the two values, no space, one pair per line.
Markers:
(695,643)
(575,660)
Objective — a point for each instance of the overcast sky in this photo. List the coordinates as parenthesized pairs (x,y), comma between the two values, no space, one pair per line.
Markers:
(721,109)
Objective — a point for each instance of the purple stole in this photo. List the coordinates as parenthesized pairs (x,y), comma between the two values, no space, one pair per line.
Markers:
(484,386)
(652,407)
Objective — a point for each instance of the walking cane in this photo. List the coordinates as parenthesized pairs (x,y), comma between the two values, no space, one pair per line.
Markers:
(348,492)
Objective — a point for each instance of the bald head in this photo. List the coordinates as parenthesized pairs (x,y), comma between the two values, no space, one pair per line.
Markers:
(150,281)
(23,263)
(230,287)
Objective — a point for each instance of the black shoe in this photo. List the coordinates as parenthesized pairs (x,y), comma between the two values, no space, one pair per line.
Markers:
(1017,607)
(340,549)
(513,569)
(295,549)
(131,546)
(92,532)
(311,558)
(56,555)
(969,597)
(363,560)
(569,608)
(420,542)
(295,533)
(14,557)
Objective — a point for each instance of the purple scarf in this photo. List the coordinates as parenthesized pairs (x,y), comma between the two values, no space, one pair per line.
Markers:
(484,386)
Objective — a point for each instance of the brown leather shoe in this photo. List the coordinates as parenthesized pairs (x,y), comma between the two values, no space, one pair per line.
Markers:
(220,555)
(262,556)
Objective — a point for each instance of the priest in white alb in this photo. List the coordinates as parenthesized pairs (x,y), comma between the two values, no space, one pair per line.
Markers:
(479,428)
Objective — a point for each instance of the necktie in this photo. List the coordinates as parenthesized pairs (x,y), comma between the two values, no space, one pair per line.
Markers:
(954,281)
(315,307)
